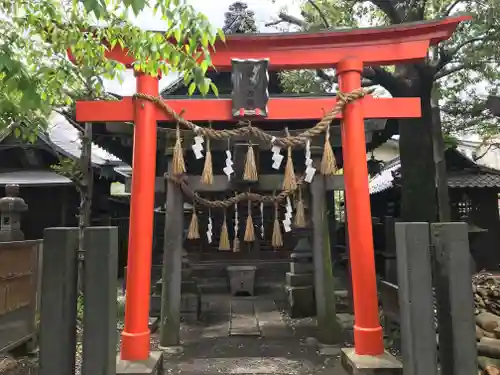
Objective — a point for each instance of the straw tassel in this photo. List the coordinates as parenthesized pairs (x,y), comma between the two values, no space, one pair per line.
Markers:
(178,165)
(207,177)
(328,163)
(250,172)
(300,215)
(194,229)
(224,236)
(249,230)
(290,181)
(277,239)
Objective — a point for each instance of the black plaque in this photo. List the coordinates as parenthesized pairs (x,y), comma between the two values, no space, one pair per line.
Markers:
(250,82)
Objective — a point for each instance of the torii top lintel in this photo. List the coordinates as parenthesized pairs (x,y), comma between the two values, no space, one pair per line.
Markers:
(384,45)
(374,46)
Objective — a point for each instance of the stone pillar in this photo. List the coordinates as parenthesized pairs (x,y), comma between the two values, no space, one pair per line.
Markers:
(58,302)
(172,267)
(299,286)
(11,208)
(457,338)
(101,272)
(329,331)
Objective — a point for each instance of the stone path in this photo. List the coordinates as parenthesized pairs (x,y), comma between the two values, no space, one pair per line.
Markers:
(246,336)
(242,320)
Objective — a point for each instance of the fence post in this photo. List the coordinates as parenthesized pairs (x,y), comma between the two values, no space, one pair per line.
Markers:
(99,319)
(58,302)
(452,277)
(414,267)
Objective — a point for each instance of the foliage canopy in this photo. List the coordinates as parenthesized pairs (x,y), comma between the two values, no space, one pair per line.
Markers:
(462,71)
(36,76)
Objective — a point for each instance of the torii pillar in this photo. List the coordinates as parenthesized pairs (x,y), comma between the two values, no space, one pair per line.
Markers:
(346,50)
(136,336)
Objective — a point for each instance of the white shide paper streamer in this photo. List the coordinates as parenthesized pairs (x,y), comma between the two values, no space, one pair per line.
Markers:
(310,170)
(236,222)
(228,169)
(197,147)
(277,157)
(209,227)
(287,222)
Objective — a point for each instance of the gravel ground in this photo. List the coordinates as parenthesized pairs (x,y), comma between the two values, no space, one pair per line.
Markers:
(293,355)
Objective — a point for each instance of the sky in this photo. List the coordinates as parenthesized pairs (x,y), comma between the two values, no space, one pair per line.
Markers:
(265,11)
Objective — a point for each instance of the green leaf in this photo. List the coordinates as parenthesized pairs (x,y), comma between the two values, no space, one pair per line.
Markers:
(221,34)
(177,35)
(204,66)
(204,86)
(204,40)
(192,88)
(214,89)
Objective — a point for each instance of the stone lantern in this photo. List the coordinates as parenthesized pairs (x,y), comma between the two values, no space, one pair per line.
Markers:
(11,207)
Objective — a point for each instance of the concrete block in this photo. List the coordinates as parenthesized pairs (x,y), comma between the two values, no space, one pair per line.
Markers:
(151,366)
(328,350)
(301,301)
(301,267)
(384,364)
(301,279)
(172,350)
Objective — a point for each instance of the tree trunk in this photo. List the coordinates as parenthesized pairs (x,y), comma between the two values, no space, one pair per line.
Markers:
(418,189)
(443,199)
(85,196)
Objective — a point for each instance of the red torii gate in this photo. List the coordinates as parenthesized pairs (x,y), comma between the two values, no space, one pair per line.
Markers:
(348,51)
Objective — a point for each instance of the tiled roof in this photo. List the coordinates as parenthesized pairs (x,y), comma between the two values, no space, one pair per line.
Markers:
(383,180)
(65,136)
(33,178)
(474,180)
(479,177)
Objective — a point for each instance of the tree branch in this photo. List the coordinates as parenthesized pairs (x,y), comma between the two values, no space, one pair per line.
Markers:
(283,17)
(374,75)
(446,72)
(387,6)
(69,118)
(451,7)
(446,56)
(490,146)
(320,12)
